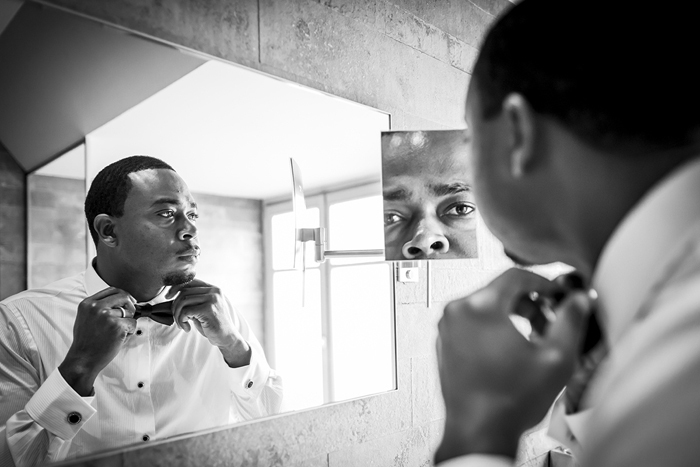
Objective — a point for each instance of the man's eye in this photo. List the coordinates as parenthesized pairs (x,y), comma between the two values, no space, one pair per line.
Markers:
(391,218)
(167,214)
(193,216)
(460,210)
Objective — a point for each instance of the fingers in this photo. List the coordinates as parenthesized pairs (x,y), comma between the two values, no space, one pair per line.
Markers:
(198,327)
(184,308)
(116,312)
(510,287)
(129,326)
(194,293)
(111,301)
(567,332)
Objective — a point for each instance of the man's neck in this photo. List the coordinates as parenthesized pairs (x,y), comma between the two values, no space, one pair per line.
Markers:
(113,276)
(609,192)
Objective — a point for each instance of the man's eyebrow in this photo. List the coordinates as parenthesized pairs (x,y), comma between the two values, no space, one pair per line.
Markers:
(449,189)
(396,194)
(172,201)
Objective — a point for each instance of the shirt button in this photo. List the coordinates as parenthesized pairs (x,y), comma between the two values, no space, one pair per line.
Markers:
(140,384)
(146,437)
(74,418)
(249,384)
(139,332)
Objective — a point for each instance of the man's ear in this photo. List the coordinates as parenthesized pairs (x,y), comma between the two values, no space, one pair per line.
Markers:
(105,228)
(520,123)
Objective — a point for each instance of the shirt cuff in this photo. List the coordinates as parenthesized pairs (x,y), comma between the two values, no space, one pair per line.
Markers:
(250,380)
(58,408)
(477,460)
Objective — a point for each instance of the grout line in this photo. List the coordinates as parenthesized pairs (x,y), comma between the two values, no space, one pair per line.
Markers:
(259,40)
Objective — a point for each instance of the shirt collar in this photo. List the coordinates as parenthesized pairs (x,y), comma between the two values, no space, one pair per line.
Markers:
(641,248)
(94,283)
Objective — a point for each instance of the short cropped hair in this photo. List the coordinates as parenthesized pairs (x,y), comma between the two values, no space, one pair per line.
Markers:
(616,73)
(111,186)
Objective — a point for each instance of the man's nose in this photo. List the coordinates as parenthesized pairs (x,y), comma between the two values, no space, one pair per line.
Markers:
(188,229)
(428,240)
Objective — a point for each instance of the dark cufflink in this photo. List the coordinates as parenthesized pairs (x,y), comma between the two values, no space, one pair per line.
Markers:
(249,384)
(74,418)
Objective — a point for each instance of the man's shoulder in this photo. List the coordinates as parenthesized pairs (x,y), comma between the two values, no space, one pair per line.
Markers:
(64,289)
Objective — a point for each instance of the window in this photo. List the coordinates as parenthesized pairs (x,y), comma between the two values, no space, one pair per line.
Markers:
(341,327)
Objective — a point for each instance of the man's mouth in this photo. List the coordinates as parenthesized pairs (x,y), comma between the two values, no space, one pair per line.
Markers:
(189,252)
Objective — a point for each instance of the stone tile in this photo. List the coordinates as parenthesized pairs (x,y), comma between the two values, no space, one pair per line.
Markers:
(462,19)
(11,195)
(420,84)
(454,283)
(319,43)
(417,329)
(403,449)
(407,28)
(218,27)
(492,7)
(12,278)
(406,293)
(12,235)
(359,63)
(362,11)
(461,54)
(318,461)
(436,429)
(11,174)
(403,121)
(428,405)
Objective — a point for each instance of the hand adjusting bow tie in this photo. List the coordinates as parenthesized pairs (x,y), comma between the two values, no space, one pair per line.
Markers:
(160,312)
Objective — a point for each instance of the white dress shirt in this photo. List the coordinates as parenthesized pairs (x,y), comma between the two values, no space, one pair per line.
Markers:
(164,381)
(644,403)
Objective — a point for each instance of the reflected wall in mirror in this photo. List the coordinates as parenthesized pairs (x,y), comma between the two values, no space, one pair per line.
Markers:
(229,132)
(429,208)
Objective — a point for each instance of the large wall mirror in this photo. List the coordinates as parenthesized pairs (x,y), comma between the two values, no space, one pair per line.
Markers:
(84,94)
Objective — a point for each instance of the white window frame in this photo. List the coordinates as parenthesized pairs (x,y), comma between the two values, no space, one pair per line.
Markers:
(321,200)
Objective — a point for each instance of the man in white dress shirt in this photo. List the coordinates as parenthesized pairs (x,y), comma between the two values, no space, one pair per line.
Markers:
(79,373)
(586,150)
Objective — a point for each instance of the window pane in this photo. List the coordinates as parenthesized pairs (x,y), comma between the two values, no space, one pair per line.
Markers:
(361,326)
(298,336)
(345,233)
(282,232)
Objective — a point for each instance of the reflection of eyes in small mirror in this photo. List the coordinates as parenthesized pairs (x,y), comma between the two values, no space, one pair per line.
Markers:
(429,208)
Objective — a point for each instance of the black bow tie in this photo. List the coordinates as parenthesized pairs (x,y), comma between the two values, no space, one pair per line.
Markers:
(160,313)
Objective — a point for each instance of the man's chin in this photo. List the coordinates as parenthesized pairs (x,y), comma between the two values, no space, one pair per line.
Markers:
(178,277)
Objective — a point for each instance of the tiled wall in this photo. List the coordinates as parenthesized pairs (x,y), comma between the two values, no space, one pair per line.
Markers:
(230,235)
(408,57)
(13,208)
(56,228)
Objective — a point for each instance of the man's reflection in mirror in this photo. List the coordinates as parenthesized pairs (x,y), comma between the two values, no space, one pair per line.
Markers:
(135,348)
(429,208)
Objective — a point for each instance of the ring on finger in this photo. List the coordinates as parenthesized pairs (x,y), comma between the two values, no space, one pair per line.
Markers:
(123,311)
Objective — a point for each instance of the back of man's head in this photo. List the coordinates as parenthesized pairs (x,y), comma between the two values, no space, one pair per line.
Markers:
(619,74)
(111,186)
